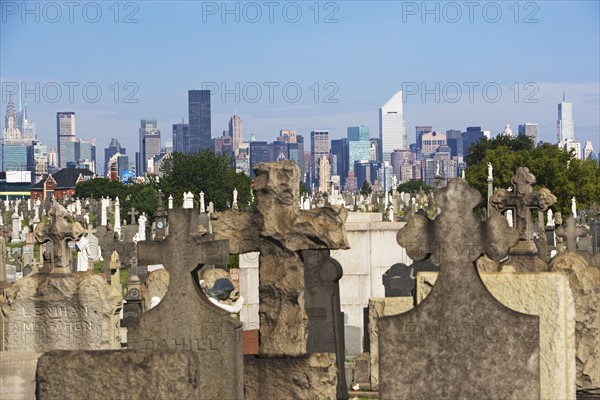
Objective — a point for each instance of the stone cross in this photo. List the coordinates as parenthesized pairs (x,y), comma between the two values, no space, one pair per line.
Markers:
(59,231)
(280,231)
(523,200)
(133,213)
(461,327)
(185,319)
(570,231)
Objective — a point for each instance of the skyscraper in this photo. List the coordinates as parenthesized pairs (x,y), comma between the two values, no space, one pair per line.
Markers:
(564,126)
(199,121)
(113,148)
(359,148)
(392,129)
(319,146)
(588,150)
(235,131)
(529,129)
(149,135)
(181,137)
(65,132)
(420,131)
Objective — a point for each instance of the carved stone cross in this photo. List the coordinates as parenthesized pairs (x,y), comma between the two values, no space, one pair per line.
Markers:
(571,232)
(523,200)
(280,231)
(59,231)
(133,213)
(460,327)
(185,319)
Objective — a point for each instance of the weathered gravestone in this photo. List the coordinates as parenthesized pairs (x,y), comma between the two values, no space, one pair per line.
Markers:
(322,304)
(60,310)
(446,341)
(185,319)
(523,257)
(399,280)
(585,283)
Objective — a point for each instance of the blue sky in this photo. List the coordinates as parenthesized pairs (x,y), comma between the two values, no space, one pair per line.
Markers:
(337,66)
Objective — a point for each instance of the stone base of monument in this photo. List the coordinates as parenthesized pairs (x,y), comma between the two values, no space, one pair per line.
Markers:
(310,377)
(381,307)
(17,375)
(113,374)
(548,296)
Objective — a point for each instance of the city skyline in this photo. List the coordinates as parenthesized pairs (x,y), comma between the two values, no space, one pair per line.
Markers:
(336,92)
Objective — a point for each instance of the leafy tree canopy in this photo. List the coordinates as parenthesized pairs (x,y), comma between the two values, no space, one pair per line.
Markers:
(414,186)
(205,172)
(554,168)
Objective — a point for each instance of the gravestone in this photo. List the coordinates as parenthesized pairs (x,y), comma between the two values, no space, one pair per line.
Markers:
(59,310)
(523,199)
(399,280)
(322,304)
(442,348)
(185,319)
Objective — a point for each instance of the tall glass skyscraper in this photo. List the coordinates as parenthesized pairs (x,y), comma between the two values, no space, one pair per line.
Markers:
(392,129)
(319,146)
(565,130)
(199,121)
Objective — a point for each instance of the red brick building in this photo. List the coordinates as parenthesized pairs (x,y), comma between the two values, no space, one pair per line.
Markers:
(60,185)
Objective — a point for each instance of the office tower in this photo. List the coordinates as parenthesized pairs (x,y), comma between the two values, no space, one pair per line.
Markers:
(340,151)
(149,136)
(65,132)
(454,140)
(565,130)
(402,161)
(14,147)
(530,130)
(287,135)
(392,129)
(358,133)
(430,141)
(199,121)
(588,150)
(567,145)
(324,173)
(420,131)
(181,138)
(296,152)
(319,146)
(260,152)
(471,136)
(81,153)
(359,148)
(37,160)
(366,171)
(113,148)
(25,126)
(11,132)
(52,158)
(235,131)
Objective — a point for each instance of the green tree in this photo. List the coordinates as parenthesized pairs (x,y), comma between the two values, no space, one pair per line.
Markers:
(366,190)
(205,172)
(414,186)
(101,187)
(554,168)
